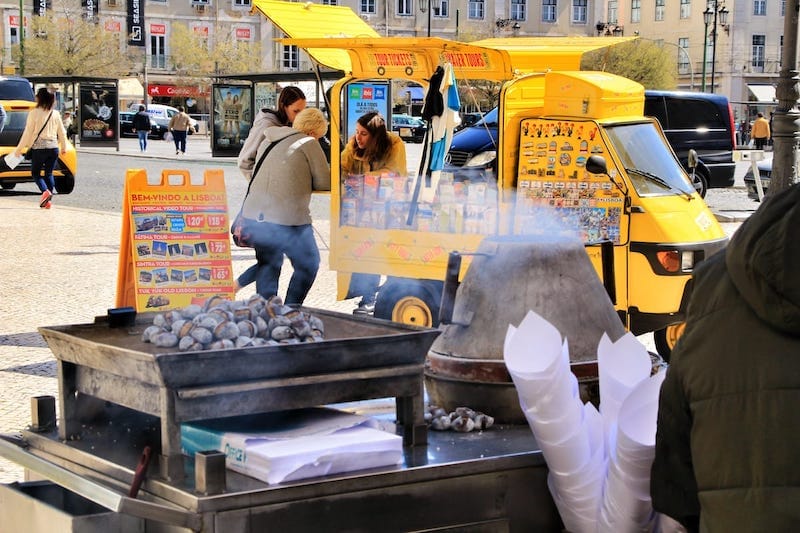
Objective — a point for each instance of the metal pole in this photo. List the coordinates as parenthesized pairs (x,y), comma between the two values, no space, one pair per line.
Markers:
(429,18)
(21,39)
(786,121)
(714,47)
(705,55)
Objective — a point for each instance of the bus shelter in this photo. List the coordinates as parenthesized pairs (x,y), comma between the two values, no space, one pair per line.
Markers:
(237,98)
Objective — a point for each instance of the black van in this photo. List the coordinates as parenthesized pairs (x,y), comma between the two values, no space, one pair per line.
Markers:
(702,121)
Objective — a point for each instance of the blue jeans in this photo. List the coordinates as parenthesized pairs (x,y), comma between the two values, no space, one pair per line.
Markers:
(180,140)
(299,245)
(142,139)
(44,160)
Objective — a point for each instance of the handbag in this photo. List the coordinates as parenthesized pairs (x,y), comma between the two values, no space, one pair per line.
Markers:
(243,229)
(29,152)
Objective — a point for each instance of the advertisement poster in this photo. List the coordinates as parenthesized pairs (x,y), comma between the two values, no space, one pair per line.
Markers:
(556,195)
(233,115)
(364,98)
(179,241)
(98,113)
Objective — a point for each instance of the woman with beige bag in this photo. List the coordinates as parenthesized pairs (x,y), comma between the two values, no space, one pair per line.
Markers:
(43,136)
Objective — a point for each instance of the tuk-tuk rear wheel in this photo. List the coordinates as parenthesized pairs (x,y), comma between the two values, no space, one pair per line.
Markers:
(666,339)
(412,310)
(414,303)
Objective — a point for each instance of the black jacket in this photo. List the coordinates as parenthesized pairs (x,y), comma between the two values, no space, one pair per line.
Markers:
(726,454)
(141,121)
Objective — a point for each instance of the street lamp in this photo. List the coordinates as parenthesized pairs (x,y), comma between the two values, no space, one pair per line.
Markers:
(711,17)
(425,6)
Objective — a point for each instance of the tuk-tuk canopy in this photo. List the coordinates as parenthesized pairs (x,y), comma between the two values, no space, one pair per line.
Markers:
(336,37)
(305,19)
(493,59)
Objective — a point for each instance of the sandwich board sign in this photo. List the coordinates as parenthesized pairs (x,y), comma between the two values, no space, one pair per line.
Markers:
(175,244)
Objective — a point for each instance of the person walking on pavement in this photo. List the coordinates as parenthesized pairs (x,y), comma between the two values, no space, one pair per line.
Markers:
(45,135)
(760,132)
(727,427)
(179,125)
(291,101)
(141,125)
(279,199)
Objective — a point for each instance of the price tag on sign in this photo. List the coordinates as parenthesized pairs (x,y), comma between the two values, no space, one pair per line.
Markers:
(218,247)
(220,273)
(195,221)
(217,221)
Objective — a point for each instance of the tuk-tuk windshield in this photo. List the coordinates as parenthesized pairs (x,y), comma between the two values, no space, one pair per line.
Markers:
(648,161)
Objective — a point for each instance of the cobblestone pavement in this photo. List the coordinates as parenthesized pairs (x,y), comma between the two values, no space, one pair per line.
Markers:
(59,266)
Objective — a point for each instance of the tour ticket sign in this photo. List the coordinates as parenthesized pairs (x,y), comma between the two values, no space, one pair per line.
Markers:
(175,243)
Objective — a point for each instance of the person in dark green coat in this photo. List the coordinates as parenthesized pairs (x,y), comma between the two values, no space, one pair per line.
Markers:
(727,445)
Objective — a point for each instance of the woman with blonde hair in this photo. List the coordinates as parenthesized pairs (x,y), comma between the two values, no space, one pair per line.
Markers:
(45,134)
(279,200)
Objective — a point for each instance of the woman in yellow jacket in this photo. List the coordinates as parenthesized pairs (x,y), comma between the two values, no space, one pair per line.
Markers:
(371,150)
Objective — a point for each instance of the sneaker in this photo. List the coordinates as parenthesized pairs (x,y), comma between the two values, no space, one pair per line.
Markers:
(364,308)
(48,205)
(177,152)
(45,198)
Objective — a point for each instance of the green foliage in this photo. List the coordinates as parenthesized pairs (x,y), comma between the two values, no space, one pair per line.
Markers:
(65,44)
(191,55)
(645,61)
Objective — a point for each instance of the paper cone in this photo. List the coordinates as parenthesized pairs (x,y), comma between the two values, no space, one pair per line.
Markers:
(555,429)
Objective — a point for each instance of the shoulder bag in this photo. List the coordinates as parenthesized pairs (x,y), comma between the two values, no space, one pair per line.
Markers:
(243,228)
(29,152)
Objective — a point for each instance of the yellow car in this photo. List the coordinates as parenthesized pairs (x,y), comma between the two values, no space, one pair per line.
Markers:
(66,166)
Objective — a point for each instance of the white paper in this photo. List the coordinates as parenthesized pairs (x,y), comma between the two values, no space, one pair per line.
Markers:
(296,444)
(12,161)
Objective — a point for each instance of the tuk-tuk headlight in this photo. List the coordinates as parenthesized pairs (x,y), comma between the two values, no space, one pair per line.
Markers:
(482,159)
(675,261)
(687,261)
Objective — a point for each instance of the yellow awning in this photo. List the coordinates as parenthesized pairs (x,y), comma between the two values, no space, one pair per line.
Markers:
(540,54)
(337,38)
(306,19)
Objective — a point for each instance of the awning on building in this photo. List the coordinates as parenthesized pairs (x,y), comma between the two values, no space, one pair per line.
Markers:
(762,93)
(130,89)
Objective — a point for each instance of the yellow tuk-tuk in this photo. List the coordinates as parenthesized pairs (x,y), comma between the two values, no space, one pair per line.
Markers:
(577,157)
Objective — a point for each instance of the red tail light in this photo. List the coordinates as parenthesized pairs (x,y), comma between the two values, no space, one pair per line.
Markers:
(733,126)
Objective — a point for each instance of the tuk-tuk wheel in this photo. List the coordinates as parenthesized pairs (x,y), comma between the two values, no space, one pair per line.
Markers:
(666,339)
(408,302)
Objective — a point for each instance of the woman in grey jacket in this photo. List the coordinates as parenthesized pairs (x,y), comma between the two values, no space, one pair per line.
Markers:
(279,200)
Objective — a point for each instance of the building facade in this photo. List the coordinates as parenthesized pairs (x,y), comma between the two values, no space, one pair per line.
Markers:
(742,53)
